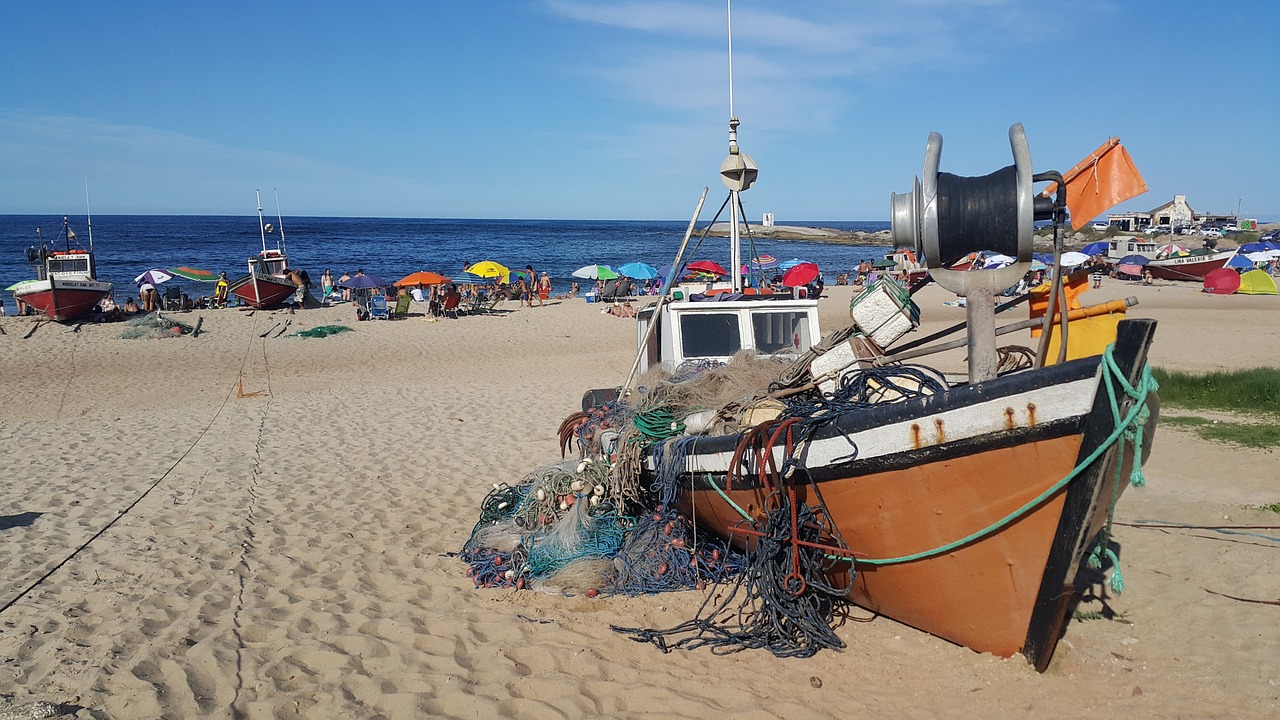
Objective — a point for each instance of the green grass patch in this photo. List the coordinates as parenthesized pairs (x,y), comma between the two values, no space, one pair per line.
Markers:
(1254,435)
(1254,391)
(1273,507)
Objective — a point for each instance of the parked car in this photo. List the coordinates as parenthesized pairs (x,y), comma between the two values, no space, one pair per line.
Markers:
(1211,232)
(1273,235)
(1100,226)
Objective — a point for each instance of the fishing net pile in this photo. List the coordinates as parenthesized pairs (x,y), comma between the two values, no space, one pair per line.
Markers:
(154,326)
(321,331)
(615,521)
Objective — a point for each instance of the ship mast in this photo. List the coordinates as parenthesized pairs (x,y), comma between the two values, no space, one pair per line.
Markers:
(738,171)
(261,227)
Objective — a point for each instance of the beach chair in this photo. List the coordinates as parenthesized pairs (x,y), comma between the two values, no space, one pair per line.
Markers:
(451,305)
(402,306)
(378,308)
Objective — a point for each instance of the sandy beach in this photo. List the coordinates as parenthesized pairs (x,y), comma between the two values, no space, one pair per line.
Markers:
(233,525)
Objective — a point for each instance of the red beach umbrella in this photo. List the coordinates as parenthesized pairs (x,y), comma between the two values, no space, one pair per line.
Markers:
(801,274)
(708,267)
(1222,281)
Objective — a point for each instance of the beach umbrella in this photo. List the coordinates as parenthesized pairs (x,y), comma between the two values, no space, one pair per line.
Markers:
(1072,259)
(191,273)
(1046,258)
(1240,261)
(1259,257)
(595,272)
(788,264)
(1096,248)
(708,267)
(1271,245)
(1134,260)
(1172,249)
(155,276)
(764,262)
(1129,269)
(638,271)
(364,282)
(422,277)
(1252,247)
(19,284)
(1037,265)
(801,274)
(1222,281)
(490,269)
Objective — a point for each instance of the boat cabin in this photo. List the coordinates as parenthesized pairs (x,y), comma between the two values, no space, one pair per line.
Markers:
(77,264)
(268,262)
(717,329)
(1125,245)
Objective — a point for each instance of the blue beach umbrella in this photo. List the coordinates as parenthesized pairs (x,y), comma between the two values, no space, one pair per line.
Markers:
(638,271)
(1252,247)
(1096,248)
(365,282)
(788,264)
(1240,261)
(1134,260)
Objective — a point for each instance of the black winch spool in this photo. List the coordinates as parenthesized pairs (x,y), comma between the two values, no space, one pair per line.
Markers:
(977,213)
(945,217)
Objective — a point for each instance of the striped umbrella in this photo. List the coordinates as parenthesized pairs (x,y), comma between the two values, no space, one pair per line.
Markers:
(191,273)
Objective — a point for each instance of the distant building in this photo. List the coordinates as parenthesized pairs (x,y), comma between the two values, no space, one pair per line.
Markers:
(767,220)
(1174,214)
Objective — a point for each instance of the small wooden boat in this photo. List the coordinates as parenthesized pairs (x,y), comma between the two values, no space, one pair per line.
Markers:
(66,285)
(267,285)
(969,511)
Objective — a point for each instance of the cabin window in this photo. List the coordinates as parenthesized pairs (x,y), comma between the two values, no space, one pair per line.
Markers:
(69,265)
(709,335)
(781,331)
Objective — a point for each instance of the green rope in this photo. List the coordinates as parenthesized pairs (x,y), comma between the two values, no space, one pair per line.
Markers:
(1127,428)
(658,424)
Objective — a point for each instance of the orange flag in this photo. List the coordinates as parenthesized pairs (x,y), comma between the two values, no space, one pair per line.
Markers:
(1100,182)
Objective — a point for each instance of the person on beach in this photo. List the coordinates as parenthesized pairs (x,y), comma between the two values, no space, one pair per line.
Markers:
(299,279)
(1096,275)
(148,294)
(130,307)
(544,288)
(346,291)
(523,287)
(220,290)
(326,283)
(533,286)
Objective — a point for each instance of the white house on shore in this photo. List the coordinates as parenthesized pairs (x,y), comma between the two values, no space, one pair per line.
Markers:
(1176,213)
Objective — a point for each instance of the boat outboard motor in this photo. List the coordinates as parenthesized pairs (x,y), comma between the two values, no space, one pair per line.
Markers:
(945,217)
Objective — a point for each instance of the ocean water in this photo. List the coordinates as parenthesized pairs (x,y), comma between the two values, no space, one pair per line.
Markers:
(127,245)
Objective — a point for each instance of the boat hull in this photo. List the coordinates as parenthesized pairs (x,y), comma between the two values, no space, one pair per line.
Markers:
(926,474)
(62,299)
(1188,267)
(262,292)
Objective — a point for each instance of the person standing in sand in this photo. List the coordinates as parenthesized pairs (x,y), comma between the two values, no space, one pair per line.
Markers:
(544,288)
(326,283)
(533,285)
(346,291)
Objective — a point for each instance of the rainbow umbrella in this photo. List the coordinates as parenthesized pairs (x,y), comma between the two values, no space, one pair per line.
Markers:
(191,273)
(765,262)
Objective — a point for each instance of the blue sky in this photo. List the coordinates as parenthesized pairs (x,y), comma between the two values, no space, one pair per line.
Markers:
(575,109)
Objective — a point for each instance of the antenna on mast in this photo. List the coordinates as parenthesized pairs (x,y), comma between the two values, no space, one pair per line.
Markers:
(261,227)
(279,219)
(88,215)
